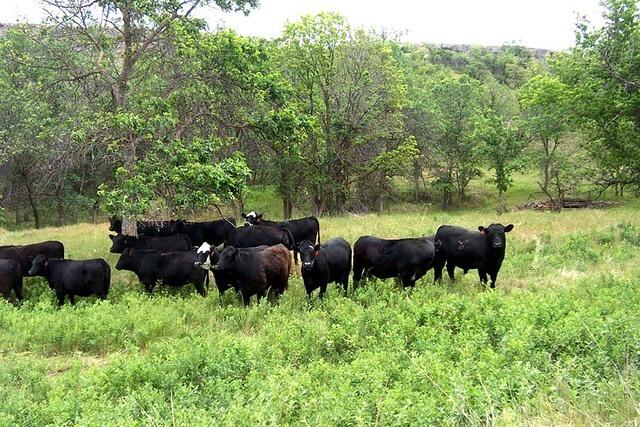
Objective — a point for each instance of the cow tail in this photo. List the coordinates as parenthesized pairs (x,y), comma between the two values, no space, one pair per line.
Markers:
(107,277)
(318,224)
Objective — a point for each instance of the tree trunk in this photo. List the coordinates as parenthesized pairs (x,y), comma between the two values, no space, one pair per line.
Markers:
(502,207)
(60,209)
(94,212)
(287,207)
(33,203)
(17,214)
(446,200)
(417,173)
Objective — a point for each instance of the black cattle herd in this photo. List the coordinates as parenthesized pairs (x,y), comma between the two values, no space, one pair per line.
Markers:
(253,259)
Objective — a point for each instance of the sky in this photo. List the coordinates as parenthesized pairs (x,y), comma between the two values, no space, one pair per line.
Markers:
(547,24)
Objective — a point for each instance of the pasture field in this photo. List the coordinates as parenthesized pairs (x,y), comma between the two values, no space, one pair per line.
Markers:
(557,343)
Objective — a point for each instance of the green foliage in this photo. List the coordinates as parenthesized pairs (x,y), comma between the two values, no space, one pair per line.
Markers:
(184,176)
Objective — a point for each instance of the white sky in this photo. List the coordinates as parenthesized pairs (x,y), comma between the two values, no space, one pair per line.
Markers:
(534,23)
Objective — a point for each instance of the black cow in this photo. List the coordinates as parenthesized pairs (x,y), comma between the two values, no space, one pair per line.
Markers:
(212,232)
(254,272)
(209,255)
(408,259)
(70,278)
(171,268)
(482,250)
(10,278)
(302,229)
(176,243)
(143,228)
(258,235)
(25,254)
(323,264)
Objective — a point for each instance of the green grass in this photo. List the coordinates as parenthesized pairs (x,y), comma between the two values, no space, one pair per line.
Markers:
(558,342)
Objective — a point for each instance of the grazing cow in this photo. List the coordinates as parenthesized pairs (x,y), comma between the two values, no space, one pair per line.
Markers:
(171,268)
(248,237)
(302,229)
(212,232)
(25,254)
(70,278)
(323,264)
(254,272)
(482,250)
(143,228)
(10,278)
(407,259)
(209,255)
(176,243)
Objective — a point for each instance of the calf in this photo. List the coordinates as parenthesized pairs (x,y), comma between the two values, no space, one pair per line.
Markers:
(407,259)
(323,264)
(171,268)
(10,278)
(248,237)
(208,255)
(482,250)
(71,278)
(24,255)
(254,272)
(176,243)
(301,229)
(212,232)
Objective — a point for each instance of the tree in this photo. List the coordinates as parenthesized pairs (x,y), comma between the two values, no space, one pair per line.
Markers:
(544,103)
(603,72)
(454,103)
(116,36)
(349,82)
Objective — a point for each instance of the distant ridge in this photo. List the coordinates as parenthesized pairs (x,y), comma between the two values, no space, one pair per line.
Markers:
(540,54)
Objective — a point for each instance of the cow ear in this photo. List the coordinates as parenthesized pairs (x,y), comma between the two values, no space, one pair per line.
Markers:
(508,228)
(112,236)
(244,215)
(317,247)
(481,229)
(259,216)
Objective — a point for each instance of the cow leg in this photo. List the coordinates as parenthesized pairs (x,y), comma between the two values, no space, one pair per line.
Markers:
(357,274)
(149,287)
(295,256)
(60,296)
(437,271)
(246,298)
(407,281)
(345,284)
(323,289)
(450,270)
(493,276)
(72,299)
(201,290)
(18,290)
(483,276)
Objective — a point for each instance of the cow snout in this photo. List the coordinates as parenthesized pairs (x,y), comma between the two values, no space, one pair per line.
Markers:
(497,244)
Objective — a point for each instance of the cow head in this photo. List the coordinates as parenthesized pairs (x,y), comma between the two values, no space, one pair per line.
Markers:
(252,218)
(308,253)
(495,234)
(118,243)
(124,261)
(206,256)
(227,258)
(39,266)
(115,224)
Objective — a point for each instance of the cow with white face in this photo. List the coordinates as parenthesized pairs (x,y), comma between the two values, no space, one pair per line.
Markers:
(252,218)
(208,255)
(203,257)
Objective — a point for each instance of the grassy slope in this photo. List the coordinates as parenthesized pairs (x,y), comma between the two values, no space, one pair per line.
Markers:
(557,343)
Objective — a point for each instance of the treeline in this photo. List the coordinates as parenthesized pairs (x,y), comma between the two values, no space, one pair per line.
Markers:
(135,109)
